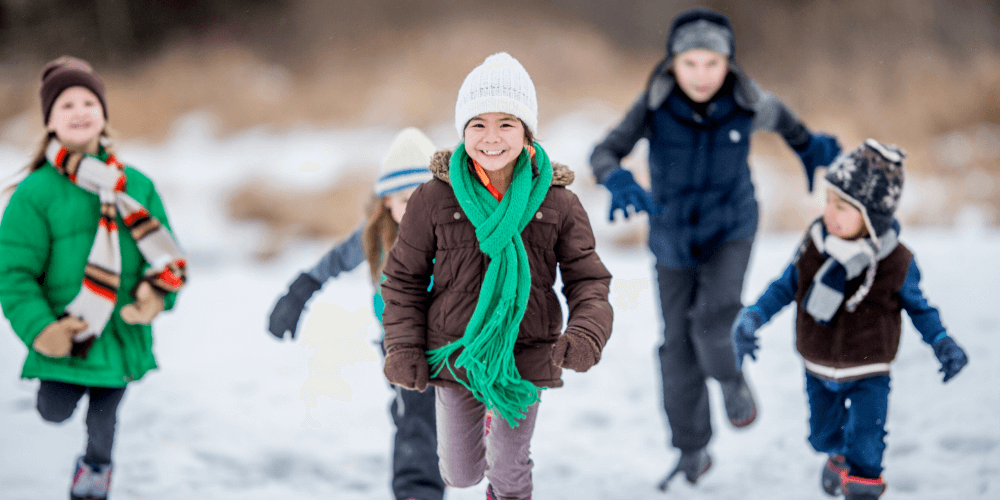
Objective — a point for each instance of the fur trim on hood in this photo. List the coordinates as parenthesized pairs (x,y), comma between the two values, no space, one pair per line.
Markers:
(561,174)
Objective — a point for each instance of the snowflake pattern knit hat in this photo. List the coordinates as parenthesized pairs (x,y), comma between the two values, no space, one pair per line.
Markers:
(406,164)
(871,179)
(498,85)
(63,73)
(701,28)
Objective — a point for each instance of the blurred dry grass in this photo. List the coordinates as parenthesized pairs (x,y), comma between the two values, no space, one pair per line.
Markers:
(924,75)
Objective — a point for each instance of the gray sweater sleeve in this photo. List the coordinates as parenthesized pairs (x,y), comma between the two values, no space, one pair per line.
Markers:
(772,114)
(608,154)
(344,257)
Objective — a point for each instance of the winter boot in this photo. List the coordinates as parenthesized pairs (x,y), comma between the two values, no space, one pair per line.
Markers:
(90,481)
(861,488)
(693,464)
(490,495)
(740,406)
(830,478)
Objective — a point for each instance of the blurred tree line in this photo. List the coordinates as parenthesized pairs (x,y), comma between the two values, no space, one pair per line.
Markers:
(120,31)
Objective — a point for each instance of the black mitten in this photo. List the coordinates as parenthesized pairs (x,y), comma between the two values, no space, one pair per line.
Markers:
(285,315)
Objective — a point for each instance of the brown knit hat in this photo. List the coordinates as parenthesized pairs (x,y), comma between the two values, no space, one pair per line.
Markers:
(65,72)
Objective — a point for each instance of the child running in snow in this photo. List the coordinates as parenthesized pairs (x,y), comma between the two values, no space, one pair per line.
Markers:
(492,228)
(698,112)
(851,279)
(415,473)
(87,260)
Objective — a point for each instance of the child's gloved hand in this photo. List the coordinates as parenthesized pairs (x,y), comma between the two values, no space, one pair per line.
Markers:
(745,334)
(56,339)
(820,151)
(148,303)
(951,356)
(285,315)
(626,192)
(407,367)
(575,350)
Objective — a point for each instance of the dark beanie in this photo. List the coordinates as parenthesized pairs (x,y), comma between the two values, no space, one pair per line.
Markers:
(65,72)
(871,179)
(701,28)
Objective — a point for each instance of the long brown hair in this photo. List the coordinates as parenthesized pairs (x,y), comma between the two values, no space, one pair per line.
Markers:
(378,237)
(38,160)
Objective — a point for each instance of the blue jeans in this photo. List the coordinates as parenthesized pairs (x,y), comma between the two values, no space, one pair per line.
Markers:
(848,418)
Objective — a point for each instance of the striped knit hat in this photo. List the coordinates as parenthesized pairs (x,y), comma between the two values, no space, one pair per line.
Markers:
(499,85)
(406,164)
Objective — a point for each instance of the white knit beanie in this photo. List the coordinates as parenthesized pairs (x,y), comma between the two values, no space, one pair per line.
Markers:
(498,85)
(406,164)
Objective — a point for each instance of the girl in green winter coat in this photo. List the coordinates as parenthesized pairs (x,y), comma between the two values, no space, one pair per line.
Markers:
(87,261)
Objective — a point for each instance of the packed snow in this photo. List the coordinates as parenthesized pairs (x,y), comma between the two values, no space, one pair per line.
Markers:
(233,413)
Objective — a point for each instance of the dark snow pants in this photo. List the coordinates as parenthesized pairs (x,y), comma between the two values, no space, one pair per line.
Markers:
(848,418)
(57,401)
(415,472)
(699,306)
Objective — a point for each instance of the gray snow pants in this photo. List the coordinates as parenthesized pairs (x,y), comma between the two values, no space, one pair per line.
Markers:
(467,454)
(699,306)
(57,401)
(415,472)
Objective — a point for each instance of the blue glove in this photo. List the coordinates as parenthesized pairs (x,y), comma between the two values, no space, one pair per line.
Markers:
(819,152)
(745,334)
(625,192)
(951,356)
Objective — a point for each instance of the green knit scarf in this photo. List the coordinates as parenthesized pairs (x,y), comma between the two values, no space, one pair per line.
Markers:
(488,343)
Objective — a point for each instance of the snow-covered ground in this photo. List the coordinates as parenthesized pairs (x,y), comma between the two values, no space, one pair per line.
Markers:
(235,414)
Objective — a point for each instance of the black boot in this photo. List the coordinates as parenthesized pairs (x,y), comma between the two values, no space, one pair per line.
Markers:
(693,464)
(740,406)
(860,488)
(830,477)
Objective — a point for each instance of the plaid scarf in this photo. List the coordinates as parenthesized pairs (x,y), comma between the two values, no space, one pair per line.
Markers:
(95,303)
(845,260)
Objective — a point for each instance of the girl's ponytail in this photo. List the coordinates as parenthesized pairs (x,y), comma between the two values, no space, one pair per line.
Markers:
(378,236)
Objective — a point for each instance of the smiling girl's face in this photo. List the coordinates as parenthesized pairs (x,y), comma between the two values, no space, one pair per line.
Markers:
(494,140)
(77,119)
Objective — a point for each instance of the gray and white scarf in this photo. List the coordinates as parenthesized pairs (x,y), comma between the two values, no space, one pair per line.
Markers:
(845,260)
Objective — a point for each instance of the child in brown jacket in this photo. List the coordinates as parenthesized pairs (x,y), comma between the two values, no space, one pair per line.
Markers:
(492,228)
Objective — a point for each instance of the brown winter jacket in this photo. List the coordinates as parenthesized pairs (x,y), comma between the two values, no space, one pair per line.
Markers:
(437,239)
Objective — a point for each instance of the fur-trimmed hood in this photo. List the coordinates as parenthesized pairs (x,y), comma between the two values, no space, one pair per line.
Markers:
(561,174)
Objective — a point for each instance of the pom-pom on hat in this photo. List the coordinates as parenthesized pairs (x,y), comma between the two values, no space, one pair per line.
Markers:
(870,178)
(406,165)
(498,85)
(63,73)
(701,28)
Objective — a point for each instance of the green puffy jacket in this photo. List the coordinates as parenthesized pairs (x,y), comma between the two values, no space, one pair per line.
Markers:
(46,234)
